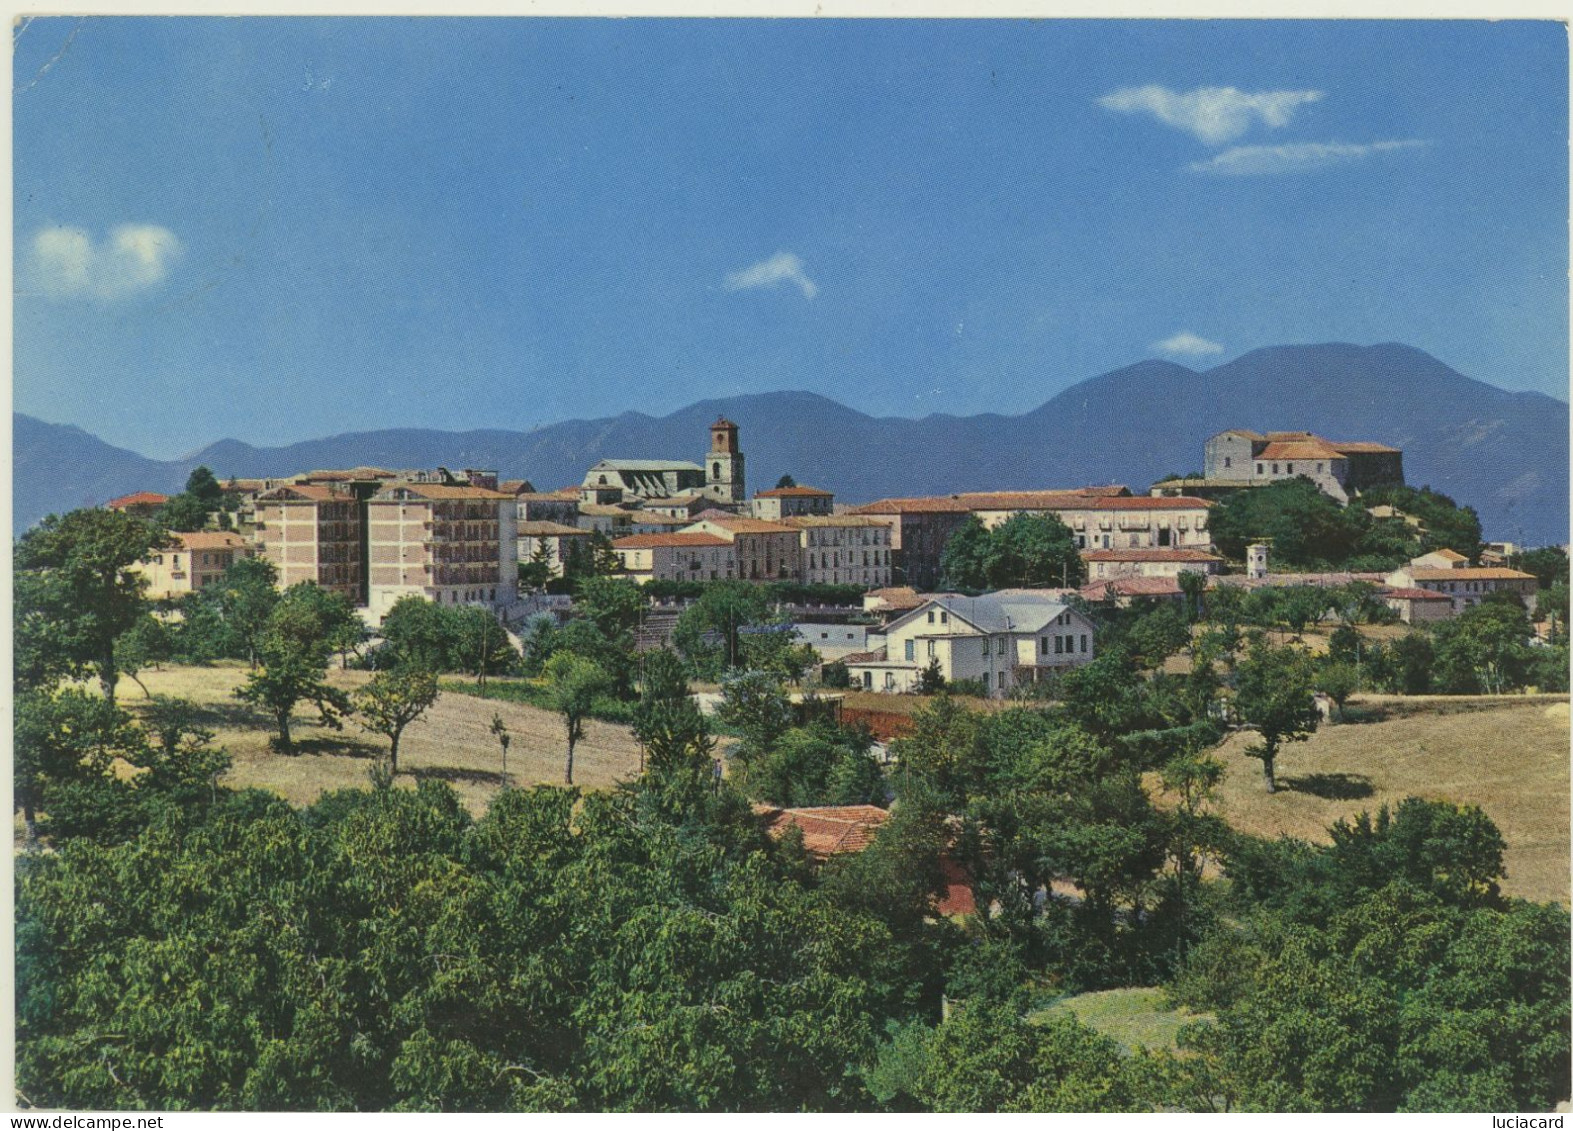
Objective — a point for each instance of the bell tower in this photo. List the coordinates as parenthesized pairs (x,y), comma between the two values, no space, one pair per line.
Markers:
(724,464)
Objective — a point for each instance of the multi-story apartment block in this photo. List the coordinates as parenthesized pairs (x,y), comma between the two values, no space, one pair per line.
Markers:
(450,544)
(314,532)
(788,502)
(843,549)
(1341,469)
(682,556)
(1002,639)
(193,562)
(765,551)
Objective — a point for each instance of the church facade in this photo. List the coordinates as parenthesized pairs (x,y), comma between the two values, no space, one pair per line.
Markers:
(649,481)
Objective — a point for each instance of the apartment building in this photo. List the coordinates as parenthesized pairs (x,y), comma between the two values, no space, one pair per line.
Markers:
(1103,522)
(682,556)
(843,549)
(193,562)
(314,532)
(765,551)
(919,529)
(450,544)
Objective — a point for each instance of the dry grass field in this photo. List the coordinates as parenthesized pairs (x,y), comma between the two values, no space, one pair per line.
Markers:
(1508,755)
(453,742)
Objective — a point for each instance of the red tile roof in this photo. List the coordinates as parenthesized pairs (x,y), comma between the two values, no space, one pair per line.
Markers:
(1131,587)
(958,898)
(441,491)
(738,525)
(1415,595)
(827,830)
(934,505)
(1489,573)
(874,657)
(1298,449)
(654,541)
(1150,555)
(138,499)
(312,492)
(210,540)
(792,493)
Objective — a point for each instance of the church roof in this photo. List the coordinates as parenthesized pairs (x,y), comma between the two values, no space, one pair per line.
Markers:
(646,465)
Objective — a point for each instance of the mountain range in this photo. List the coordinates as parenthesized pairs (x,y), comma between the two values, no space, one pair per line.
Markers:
(1504,453)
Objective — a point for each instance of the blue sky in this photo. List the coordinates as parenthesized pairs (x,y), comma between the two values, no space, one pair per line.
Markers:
(279,229)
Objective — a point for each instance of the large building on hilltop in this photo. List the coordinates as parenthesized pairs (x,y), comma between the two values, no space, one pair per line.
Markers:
(1339,468)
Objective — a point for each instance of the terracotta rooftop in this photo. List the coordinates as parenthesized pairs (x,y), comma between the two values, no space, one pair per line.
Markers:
(654,541)
(827,830)
(874,657)
(1178,554)
(1448,553)
(1298,449)
(1485,573)
(793,493)
(210,540)
(541,529)
(311,492)
(739,525)
(933,505)
(898,597)
(566,495)
(1131,587)
(1415,594)
(817,520)
(440,491)
(138,499)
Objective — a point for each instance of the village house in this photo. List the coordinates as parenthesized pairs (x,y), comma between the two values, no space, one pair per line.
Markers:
(681,556)
(1109,564)
(1449,573)
(195,561)
(314,532)
(1002,640)
(765,551)
(1121,592)
(843,549)
(451,544)
(138,504)
(834,641)
(1418,606)
(787,502)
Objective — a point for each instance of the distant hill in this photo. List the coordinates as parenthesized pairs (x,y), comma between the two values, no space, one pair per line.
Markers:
(1506,454)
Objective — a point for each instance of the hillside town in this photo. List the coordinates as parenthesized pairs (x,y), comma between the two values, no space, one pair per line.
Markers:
(467,538)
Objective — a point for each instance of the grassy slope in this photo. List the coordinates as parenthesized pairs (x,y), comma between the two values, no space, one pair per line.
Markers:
(1135,1017)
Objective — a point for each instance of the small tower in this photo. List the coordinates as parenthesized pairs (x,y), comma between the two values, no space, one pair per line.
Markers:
(724,464)
(1256,560)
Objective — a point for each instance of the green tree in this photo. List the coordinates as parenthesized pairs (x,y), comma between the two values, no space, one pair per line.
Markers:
(1338,682)
(1484,648)
(60,737)
(146,644)
(478,644)
(755,704)
(78,592)
(724,608)
(1273,694)
(184,513)
(1033,550)
(201,485)
(573,684)
(418,633)
(1194,586)
(1308,530)
(931,681)
(964,560)
(499,730)
(294,655)
(391,701)
(535,573)
(247,595)
(668,723)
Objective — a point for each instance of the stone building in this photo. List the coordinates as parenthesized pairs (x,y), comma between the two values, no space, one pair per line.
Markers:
(919,529)
(1109,564)
(765,551)
(1464,584)
(719,479)
(788,502)
(1340,469)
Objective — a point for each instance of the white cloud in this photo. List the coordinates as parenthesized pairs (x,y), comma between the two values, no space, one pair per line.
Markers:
(66,262)
(1214,114)
(1187,344)
(782,267)
(1265,160)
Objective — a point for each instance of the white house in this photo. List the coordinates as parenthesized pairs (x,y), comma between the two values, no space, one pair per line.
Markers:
(1001,640)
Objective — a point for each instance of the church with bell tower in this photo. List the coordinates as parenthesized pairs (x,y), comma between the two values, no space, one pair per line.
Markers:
(724,465)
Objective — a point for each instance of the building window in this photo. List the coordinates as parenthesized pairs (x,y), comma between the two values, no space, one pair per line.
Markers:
(999,646)
(1275,469)
(910,650)
(1043,645)
(1289,468)
(985,681)
(1084,642)
(944,617)
(931,649)
(1059,645)
(1259,469)
(1227,462)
